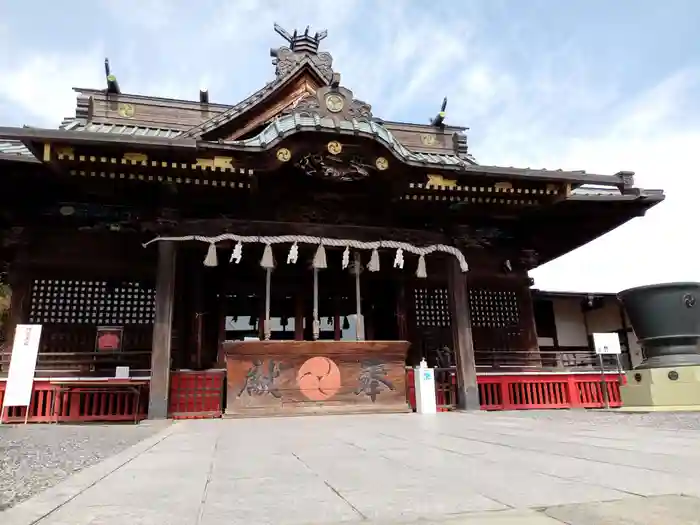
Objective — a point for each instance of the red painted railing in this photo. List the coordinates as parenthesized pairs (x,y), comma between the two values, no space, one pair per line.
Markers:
(192,395)
(195,395)
(51,404)
(526,392)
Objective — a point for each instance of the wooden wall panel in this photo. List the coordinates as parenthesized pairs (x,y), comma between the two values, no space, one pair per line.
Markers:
(103,254)
(152,112)
(425,139)
(280,377)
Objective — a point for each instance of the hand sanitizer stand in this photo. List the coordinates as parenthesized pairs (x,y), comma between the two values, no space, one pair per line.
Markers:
(424,378)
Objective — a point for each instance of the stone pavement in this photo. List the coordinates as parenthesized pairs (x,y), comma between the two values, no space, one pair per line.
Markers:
(481,468)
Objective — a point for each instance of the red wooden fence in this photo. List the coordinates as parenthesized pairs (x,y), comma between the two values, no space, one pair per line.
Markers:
(51,404)
(192,395)
(201,394)
(526,392)
(195,395)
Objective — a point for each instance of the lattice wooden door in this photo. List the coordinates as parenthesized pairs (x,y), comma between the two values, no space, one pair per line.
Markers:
(502,321)
(70,311)
(430,323)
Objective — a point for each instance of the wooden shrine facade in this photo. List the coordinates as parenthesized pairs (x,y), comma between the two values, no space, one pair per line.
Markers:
(294,240)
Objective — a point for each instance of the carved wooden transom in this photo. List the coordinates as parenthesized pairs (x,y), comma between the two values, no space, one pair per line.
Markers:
(494,308)
(431,307)
(66,301)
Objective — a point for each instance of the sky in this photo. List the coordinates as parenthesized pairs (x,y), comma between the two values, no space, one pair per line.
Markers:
(579,84)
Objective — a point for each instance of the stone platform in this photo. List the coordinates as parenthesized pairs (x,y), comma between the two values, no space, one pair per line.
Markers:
(534,468)
(662,389)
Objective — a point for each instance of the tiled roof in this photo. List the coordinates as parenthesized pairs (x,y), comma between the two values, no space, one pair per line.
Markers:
(119,129)
(282,126)
(15,148)
(11,148)
(595,186)
(228,115)
(588,189)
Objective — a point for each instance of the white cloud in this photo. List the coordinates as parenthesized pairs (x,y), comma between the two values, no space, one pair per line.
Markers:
(149,15)
(41,84)
(660,246)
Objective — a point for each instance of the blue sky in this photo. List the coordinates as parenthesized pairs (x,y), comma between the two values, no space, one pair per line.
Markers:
(579,84)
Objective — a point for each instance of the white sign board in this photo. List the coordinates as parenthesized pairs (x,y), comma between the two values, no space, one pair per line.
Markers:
(607,343)
(20,379)
(424,379)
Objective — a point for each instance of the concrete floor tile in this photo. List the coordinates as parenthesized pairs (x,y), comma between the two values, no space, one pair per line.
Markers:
(662,510)
(412,502)
(392,469)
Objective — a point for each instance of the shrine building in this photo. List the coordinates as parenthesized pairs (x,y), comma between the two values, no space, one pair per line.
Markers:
(289,253)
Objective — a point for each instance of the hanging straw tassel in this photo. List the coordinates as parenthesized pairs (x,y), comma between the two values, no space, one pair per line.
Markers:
(268,260)
(420,271)
(398,260)
(211,259)
(373,265)
(237,253)
(320,258)
(293,254)
(346,257)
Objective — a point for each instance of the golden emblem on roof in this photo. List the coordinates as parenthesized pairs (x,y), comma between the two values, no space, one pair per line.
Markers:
(284,155)
(334,147)
(428,139)
(125,110)
(381,163)
(335,103)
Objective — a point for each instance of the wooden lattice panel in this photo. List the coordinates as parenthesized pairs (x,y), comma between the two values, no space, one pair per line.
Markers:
(494,308)
(71,301)
(431,307)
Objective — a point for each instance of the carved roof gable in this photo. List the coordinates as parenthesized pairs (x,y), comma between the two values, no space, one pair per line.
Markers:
(301,58)
(332,101)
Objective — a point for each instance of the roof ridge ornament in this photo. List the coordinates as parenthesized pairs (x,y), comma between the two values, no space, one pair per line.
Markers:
(439,120)
(302,47)
(302,43)
(112,84)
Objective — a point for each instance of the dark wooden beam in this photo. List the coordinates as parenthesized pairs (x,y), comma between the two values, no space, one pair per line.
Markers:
(162,331)
(467,388)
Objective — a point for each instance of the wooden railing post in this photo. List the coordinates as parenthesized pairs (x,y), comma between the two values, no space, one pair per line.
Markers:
(573,392)
(504,386)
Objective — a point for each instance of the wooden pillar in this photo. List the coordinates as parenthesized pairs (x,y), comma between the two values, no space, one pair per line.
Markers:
(467,388)
(20,288)
(197,342)
(527,312)
(162,331)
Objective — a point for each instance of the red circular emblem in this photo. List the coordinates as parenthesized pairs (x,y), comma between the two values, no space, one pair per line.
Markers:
(318,379)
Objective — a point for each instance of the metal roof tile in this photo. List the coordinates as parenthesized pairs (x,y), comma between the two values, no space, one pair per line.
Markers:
(280,126)
(121,129)
(14,147)
(587,189)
